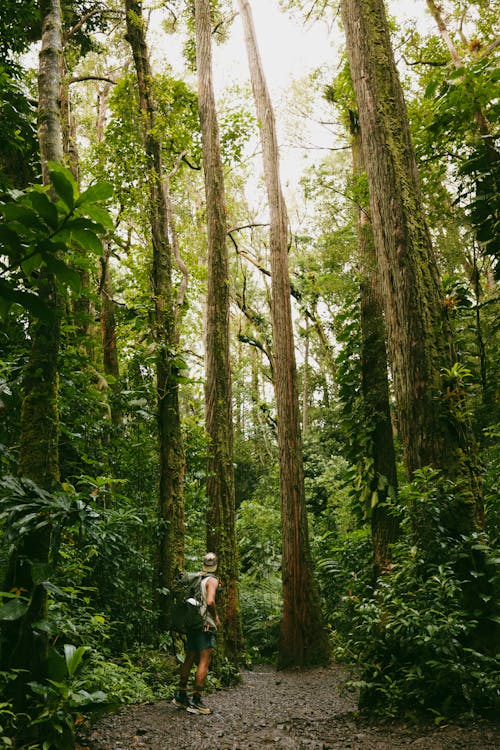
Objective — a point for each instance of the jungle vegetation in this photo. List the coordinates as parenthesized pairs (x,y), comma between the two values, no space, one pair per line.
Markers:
(306,383)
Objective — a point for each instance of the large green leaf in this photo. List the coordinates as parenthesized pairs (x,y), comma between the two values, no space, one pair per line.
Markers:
(73,657)
(45,208)
(101,191)
(64,184)
(9,240)
(99,215)
(30,263)
(64,273)
(13,610)
(81,222)
(87,240)
(56,665)
(22,214)
(32,303)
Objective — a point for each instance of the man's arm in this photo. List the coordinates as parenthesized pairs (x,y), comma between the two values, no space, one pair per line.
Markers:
(210,593)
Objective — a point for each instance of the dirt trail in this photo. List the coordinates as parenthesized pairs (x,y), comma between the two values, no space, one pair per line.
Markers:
(300,710)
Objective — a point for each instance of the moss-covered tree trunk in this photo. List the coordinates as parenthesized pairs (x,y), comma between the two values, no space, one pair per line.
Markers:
(375,385)
(24,646)
(221,532)
(303,639)
(432,419)
(171,452)
(110,360)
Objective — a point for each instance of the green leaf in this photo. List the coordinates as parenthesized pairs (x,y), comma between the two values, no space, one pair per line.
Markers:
(29,264)
(457,73)
(9,239)
(87,240)
(5,306)
(81,222)
(431,89)
(73,657)
(64,184)
(56,665)
(52,588)
(40,571)
(64,273)
(100,215)
(101,191)
(22,214)
(45,208)
(32,303)
(13,610)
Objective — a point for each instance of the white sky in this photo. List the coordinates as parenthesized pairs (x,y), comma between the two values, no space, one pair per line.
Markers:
(288,48)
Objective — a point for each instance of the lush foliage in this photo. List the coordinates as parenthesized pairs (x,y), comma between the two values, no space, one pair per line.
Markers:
(421,637)
(40,233)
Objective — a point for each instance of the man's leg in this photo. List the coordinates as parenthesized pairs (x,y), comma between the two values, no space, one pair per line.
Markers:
(196,704)
(202,669)
(185,669)
(181,699)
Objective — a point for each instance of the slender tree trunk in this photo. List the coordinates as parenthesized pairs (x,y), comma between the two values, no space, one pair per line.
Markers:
(375,386)
(111,364)
(221,533)
(305,382)
(475,277)
(171,452)
(24,647)
(110,359)
(303,638)
(432,424)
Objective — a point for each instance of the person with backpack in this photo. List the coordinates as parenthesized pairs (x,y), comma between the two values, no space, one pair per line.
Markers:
(200,642)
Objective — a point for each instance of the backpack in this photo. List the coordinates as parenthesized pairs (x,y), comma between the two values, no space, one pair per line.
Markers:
(186,606)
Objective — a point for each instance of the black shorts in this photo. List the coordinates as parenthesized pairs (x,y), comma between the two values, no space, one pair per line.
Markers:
(199,640)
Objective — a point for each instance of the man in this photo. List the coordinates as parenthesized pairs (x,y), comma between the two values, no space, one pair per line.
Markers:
(200,643)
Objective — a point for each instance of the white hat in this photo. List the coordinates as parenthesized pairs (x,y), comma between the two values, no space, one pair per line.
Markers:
(210,562)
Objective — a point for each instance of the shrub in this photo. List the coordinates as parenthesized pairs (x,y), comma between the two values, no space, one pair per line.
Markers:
(425,640)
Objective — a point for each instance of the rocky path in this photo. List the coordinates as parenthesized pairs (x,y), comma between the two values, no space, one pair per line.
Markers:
(300,710)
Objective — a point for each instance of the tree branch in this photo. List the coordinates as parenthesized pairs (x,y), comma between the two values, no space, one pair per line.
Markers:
(79,79)
(83,20)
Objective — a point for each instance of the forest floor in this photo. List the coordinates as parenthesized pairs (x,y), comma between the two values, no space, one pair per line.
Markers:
(296,710)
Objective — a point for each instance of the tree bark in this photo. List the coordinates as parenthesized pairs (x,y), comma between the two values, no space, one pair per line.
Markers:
(171,451)
(305,381)
(221,533)
(303,639)
(24,648)
(111,364)
(375,386)
(434,429)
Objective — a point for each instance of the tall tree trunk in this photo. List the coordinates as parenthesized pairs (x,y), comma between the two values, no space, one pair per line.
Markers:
(303,638)
(110,359)
(475,278)
(375,386)
(305,381)
(171,452)
(111,364)
(24,647)
(221,533)
(433,427)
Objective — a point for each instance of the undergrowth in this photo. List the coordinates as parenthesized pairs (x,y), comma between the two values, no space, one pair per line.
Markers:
(426,638)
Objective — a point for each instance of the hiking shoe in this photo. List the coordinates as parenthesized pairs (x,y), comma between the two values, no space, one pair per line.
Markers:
(196,705)
(181,699)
